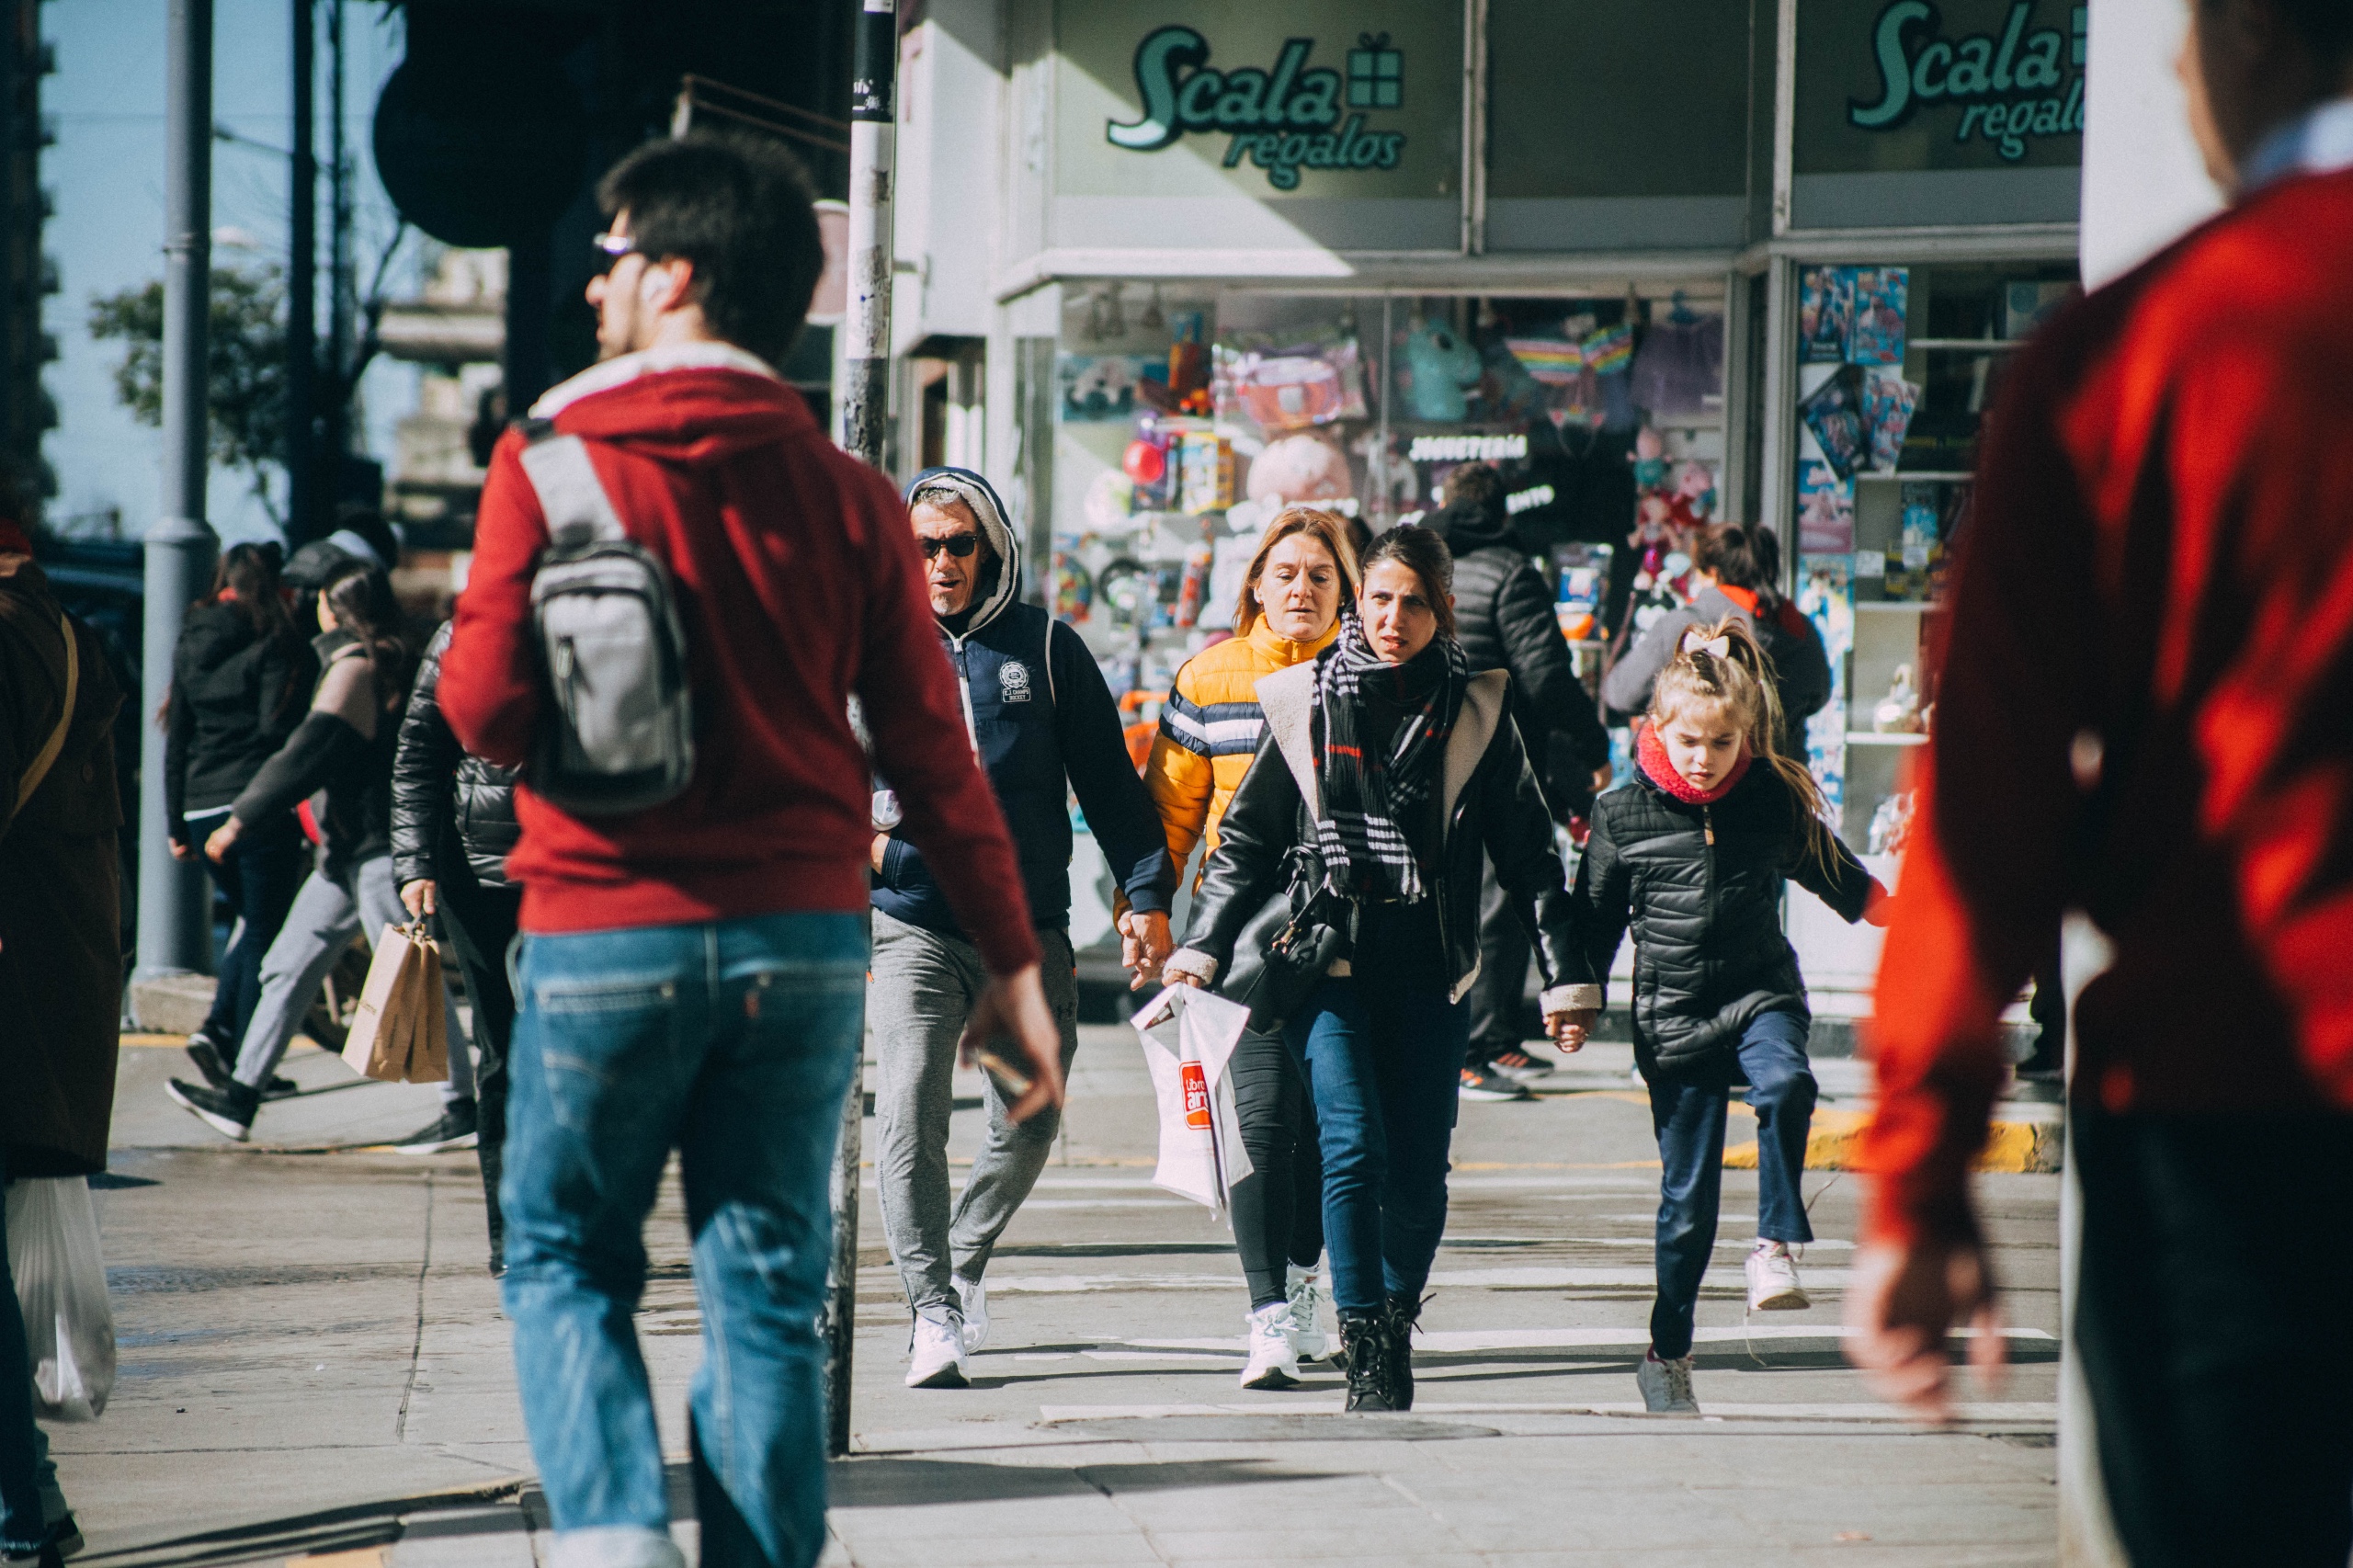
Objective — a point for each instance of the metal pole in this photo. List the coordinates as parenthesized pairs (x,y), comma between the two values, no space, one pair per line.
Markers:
(302,293)
(173,939)
(865,393)
(336,434)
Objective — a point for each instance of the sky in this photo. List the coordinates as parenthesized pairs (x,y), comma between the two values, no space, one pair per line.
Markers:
(107,174)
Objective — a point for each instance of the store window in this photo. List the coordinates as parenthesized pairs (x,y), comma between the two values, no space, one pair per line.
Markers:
(1184,416)
(1897,366)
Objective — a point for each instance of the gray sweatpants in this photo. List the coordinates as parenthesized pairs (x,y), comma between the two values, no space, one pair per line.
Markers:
(925,985)
(325,918)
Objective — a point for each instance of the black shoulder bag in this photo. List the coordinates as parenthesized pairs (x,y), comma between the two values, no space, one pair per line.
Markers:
(1288,945)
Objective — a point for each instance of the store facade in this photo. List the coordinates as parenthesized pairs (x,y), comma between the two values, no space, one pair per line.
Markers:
(1246,253)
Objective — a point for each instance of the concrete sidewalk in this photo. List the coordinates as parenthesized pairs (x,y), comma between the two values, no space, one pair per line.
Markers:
(313,1364)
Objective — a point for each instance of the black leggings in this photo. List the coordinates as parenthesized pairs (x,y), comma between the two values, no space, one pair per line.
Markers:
(480,922)
(1279,1207)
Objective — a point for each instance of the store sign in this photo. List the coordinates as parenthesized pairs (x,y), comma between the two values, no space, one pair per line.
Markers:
(2007,87)
(1288,117)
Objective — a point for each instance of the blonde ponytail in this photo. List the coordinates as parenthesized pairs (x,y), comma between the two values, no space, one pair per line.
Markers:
(1725,666)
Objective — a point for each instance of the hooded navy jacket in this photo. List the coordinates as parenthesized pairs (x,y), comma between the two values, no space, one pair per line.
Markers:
(1043,726)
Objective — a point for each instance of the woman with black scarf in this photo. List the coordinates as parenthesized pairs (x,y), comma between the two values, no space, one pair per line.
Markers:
(1399,768)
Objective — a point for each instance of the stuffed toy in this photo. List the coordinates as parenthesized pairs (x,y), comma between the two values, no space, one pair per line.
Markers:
(1299,468)
(1437,368)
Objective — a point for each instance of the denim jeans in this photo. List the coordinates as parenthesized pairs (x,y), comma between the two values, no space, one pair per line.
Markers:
(256,878)
(2210,1323)
(1688,1114)
(1384,1064)
(732,1042)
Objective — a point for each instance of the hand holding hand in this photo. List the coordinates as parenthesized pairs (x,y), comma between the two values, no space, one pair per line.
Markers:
(1012,1009)
(1569,1030)
(1144,946)
(1878,905)
(181,852)
(224,838)
(1902,1302)
(417,898)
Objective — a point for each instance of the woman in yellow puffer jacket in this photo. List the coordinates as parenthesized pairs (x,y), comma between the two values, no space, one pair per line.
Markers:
(1287,613)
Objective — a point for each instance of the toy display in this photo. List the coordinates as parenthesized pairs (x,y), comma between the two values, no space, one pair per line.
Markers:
(1825,313)
(1833,413)
(1437,367)
(1825,510)
(1877,335)
(1898,712)
(1298,469)
(1887,404)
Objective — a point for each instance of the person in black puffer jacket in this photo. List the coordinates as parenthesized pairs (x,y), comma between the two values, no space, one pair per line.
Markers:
(1507,621)
(1693,856)
(240,672)
(453,824)
(343,746)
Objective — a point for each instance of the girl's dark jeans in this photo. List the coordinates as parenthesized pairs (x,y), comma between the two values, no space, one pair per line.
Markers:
(1384,1065)
(1687,1113)
(257,879)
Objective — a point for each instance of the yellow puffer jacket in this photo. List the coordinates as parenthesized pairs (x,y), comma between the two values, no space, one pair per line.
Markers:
(1209,729)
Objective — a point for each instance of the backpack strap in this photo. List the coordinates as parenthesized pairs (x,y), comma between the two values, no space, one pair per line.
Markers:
(578,511)
(1053,698)
(31,780)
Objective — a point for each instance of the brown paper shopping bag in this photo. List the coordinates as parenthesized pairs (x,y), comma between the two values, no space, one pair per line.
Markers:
(428,1052)
(383,1028)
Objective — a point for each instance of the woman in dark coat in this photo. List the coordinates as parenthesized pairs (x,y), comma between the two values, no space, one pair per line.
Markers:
(240,678)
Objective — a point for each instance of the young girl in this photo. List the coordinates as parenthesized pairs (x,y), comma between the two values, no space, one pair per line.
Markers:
(1694,857)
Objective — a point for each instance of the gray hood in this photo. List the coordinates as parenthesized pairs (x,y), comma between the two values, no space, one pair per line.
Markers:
(977,493)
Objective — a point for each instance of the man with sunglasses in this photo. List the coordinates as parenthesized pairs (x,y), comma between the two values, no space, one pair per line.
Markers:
(692,976)
(1045,727)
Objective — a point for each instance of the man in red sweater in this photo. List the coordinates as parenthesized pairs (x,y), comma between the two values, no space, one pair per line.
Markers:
(692,976)
(2147,714)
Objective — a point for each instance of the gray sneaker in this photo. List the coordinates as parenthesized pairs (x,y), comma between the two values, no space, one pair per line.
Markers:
(1666,1385)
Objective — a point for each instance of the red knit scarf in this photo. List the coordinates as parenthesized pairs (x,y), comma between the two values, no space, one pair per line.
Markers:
(1652,753)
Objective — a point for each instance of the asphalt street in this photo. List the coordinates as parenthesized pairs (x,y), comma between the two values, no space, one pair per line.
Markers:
(315,1367)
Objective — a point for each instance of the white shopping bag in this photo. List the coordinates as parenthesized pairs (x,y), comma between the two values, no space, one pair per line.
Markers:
(62,1285)
(1188,1037)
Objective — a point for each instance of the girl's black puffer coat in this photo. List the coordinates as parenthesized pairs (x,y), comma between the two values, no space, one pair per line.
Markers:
(1710,956)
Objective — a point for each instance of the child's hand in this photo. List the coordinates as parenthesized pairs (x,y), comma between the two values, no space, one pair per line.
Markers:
(1878,905)
(1569,1029)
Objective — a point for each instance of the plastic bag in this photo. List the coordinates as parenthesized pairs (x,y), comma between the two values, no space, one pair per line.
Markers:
(1188,1037)
(62,1285)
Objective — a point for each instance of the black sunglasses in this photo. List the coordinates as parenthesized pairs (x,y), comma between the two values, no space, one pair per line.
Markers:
(957,545)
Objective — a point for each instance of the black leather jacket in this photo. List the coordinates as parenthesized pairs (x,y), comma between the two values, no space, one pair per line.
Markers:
(438,787)
(1492,809)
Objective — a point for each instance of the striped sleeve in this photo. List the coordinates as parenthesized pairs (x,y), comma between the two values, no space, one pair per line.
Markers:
(1211,730)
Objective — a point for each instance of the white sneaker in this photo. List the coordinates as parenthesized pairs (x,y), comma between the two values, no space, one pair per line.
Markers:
(1773,1280)
(974,1294)
(1666,1385)
(1308,1339)
(1274,1364)
(936,1356)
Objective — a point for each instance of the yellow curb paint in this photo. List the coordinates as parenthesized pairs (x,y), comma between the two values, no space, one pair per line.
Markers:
(138,1042)
(2014,1148)
(366,1557)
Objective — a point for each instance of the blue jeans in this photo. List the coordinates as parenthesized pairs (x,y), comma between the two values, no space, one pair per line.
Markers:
(1688,1114)
(1384,1065)
(257,879)
(732,1042)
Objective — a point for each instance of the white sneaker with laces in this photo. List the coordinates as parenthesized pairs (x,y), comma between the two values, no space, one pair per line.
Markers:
(1666,1385)
(1274,1364)
(1773,1279)
(1308,1340)
(936,1356)
(975,1295)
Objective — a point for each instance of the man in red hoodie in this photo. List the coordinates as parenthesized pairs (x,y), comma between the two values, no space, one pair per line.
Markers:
(692,976)
(2147,714)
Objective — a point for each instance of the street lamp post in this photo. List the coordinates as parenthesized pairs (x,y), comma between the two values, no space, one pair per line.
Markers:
(865,410)
(172,934)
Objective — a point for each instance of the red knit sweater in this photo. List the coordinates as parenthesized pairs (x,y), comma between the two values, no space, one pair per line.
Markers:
(799,584)
(2144,709)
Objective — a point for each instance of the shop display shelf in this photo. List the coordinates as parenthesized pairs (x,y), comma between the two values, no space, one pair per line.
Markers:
(1968,345)
(1917,476)
(1885,606)
(1881,738)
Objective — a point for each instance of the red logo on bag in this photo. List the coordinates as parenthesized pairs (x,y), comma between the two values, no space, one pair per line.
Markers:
(1196,1097)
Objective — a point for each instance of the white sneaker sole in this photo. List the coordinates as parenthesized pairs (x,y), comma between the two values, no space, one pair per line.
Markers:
(472,1140)
(1787,1298)
(951,1376)
(218,1123)
(1271,1378)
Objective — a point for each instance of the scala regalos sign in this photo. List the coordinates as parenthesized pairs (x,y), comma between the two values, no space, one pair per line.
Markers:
(2009,87)
(1281,120)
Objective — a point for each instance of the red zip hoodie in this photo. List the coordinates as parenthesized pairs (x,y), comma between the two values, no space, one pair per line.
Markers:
(799,583)
(2143,712)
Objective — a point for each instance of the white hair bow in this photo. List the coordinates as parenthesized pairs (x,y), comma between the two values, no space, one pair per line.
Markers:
(1714,647)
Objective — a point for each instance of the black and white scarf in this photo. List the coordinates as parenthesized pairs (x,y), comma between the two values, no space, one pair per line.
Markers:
(1369,796)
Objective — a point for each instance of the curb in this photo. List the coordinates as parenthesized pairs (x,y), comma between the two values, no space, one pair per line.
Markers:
(2012,1148)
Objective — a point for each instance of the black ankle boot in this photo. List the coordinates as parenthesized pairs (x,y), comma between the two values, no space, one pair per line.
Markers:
(1398,1322)
(1365,1337)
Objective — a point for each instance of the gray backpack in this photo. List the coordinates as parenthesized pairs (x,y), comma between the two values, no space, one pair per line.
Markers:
(619,732)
